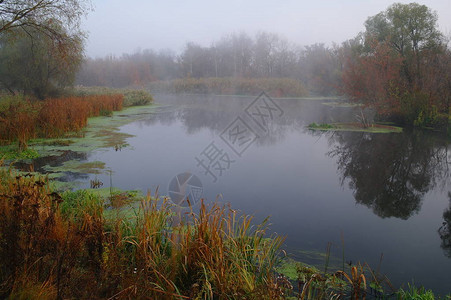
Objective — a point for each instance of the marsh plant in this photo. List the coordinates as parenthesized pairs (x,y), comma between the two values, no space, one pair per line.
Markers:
(52,244)
(24,119)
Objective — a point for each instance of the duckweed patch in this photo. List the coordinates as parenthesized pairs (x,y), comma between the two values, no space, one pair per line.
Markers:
(95,167)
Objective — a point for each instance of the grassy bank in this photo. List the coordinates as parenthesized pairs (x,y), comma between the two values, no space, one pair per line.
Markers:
(23,119)
(52,244)
(275,87)
(122,245)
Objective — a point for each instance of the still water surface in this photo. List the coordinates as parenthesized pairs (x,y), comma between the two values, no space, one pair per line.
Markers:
(384,193)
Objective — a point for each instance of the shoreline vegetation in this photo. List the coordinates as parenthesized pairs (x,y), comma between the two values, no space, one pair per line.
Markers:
(23,119)
(357,127)
(122,245)
(274,87)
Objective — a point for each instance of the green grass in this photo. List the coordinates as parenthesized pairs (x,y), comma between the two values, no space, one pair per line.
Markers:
(414,293)
(322,126)
(373,128)
(11,152)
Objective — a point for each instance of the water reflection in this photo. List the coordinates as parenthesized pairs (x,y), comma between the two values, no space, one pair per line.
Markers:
(445,230)
(215,113)
(390,173)
(41,164)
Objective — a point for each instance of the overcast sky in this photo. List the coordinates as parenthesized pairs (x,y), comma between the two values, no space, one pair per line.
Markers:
(118,26)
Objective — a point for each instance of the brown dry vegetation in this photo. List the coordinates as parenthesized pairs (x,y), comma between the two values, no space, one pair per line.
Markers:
(21,120)
(75,246)
(275,87)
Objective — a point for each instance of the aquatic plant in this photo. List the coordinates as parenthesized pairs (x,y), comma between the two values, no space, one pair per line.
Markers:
(414,293)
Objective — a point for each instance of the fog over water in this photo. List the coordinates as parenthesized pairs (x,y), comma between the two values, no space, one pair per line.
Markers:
(117,27)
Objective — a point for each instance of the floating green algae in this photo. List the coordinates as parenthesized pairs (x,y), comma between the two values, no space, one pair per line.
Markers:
(373,128)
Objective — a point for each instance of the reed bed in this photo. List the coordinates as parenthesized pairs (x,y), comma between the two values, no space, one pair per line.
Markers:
(52,244)
(21,120)
(275,87)
(132,97)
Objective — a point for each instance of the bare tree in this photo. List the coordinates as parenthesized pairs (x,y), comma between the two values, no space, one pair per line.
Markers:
(35,14)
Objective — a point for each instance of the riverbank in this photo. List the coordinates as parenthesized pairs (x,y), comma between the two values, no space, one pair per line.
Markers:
(148,162)
(52,243)
(274,87)
(60,132)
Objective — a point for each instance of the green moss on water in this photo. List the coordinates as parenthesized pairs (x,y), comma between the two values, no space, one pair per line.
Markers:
(56,142)
(357,127)
(289,268)
(342,104)
(101,133)
(75,166)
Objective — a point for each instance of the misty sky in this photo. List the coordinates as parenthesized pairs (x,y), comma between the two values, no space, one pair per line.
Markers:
(117,26)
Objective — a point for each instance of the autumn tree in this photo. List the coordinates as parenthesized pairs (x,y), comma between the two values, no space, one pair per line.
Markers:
(41,44)
(35,64)
(320,69)
(34,14)
(397,68)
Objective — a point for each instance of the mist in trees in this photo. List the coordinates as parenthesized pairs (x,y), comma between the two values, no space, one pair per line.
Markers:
(35,64)
(401,66)
(41,45)
(266,55)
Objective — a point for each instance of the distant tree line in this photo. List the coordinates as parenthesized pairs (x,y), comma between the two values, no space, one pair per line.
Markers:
(267,55)
(400,65)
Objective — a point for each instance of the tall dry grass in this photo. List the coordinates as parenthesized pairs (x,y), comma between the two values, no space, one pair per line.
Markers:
(72,246)
(21,120)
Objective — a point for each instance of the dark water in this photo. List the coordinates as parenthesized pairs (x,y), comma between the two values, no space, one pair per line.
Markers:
(384,193)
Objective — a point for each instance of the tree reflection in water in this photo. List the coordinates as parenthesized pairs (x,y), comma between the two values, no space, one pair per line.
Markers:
(445,230)
(390,173)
